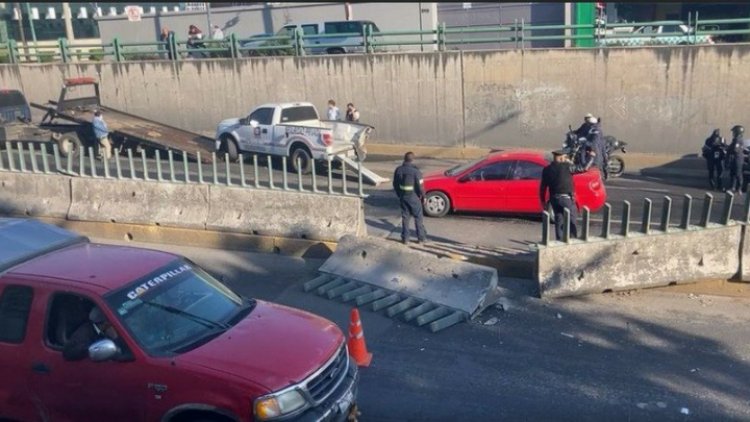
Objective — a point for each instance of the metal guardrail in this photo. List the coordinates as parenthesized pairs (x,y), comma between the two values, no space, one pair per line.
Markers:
(32,157)
(725,218)
(519,33)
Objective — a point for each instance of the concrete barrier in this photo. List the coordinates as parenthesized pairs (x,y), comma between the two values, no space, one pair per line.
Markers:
(286,214)
(139,202)
(652,257)
(34,194)
(415,284)
(639,261)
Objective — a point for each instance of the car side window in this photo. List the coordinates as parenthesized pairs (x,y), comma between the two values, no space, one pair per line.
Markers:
(264,116)
(492,172)
(309,29)
(66,313)
(526,170)
(15,306)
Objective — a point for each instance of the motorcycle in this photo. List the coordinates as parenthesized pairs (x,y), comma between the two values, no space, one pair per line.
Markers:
(573,147)
(615,164)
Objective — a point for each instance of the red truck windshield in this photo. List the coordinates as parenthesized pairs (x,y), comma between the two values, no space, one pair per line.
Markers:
(176,308)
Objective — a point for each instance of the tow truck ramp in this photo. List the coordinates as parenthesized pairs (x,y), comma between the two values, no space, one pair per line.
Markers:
(420,287)
(367,174)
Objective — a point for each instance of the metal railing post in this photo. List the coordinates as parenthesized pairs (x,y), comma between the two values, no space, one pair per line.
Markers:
(13,51)
(233,46)
(441,37)
(117,49)
(62,43)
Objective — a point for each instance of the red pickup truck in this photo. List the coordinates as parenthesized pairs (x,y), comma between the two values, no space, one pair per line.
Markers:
(111,333)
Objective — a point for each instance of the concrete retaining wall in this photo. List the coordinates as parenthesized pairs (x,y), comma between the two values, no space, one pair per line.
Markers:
(291,214)
(622,263)
(659,99)
(34,195)
(272,213)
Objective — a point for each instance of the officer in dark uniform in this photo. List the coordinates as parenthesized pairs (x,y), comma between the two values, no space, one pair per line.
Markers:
(736,158)
(558,179)
(714,151)
(408,184)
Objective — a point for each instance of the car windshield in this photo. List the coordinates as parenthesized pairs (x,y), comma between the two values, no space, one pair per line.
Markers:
(177,308)
(462,167)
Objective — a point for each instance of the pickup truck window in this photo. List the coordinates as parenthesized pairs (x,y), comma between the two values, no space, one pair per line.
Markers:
(298,114)
(346,27)
(263,116)
(176,308)
(310,29)
(67,312)
(12,98)
(15,304)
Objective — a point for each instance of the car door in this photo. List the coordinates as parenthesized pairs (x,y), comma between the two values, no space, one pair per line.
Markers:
(16,323)
(484,187)
(257,133)
(77,390)
(522,194)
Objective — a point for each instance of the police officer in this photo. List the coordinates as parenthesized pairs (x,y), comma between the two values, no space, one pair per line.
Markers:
(558,179)
(408,184)
(736,158)
(714,151)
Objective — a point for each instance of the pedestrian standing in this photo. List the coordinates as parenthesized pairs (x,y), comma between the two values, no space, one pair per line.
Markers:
(736,158)
(101,132)
(195,41)
(557,178)
(333,111)
(714,151)
(408,184)
(217,34)
(167,36)
(352,114)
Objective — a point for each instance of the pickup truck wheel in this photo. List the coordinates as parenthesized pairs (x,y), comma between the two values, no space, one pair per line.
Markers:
(69,145)
(230,147)
(436,204)
(305,160)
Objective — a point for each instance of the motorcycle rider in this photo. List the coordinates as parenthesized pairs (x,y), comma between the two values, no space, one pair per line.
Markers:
(714,151)
(585,128)
(736,158)
(595,138)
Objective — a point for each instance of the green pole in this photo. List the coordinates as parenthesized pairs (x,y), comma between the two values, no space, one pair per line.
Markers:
(585,15)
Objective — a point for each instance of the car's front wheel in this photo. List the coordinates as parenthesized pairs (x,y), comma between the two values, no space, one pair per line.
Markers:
(436,204)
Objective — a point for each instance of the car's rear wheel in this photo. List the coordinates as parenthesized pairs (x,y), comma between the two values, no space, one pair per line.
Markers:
(436,204)
(301,160)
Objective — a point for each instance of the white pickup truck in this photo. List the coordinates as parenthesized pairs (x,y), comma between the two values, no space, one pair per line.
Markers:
(292,130)
(652,35)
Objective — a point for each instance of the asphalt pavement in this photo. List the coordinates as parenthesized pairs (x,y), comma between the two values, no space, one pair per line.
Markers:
(666,355)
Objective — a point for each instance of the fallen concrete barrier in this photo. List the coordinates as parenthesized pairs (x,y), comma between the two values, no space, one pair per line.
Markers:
(285,213)
(420,287)
(139,202)
(34,195)
(649,258)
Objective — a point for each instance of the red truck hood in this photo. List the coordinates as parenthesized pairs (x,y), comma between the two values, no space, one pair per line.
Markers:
(274,346)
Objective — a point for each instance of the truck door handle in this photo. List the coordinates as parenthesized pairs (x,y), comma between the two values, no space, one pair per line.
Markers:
(41,368)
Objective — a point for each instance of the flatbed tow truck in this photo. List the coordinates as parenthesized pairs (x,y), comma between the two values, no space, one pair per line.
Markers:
(80,98)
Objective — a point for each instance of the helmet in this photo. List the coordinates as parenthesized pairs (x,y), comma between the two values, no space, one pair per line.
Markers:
(592,120)
(738,130)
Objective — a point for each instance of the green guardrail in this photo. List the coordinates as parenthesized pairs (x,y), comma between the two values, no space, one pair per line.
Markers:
(518,34)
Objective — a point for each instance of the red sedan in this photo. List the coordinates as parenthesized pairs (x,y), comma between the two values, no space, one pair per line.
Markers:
(503,182)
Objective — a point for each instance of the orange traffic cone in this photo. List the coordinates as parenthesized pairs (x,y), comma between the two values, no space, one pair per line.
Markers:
(357,346)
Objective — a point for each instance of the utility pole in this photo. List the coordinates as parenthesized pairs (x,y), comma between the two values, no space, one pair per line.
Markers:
(208,16)
(20,27)
(68,19)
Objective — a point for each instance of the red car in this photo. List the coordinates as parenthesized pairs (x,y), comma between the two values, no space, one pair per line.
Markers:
(502,182)
(170,342)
